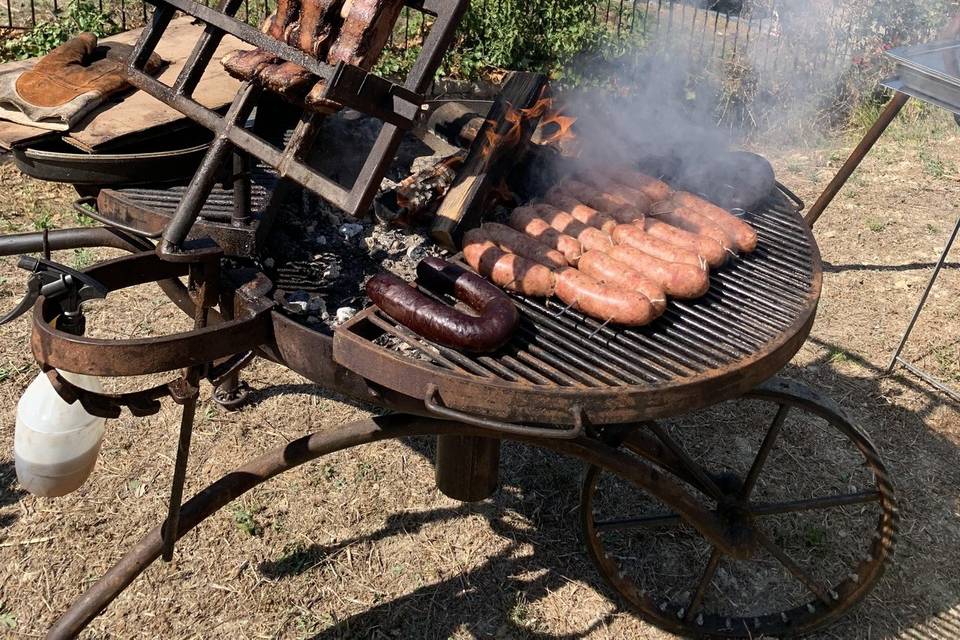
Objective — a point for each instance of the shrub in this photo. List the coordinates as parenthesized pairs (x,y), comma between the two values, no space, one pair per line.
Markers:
(47,35)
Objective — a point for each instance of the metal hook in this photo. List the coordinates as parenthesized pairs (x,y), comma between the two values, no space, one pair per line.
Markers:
(565,309)
(600,328)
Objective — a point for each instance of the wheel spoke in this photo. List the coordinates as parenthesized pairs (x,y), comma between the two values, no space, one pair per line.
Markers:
(703,481)
(761,458)
(795,570)
(824,502)
(644,522)
(705,581)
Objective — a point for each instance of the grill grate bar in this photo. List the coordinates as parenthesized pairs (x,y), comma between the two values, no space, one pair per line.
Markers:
(422,346)
(759,290)
(513,365)
(659,370)
(561,362)
(723,286)
(550,372)
(664,369)
(589,363)
(722,311)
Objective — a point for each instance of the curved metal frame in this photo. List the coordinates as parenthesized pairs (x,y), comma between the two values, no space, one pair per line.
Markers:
(829,603)
(258,470)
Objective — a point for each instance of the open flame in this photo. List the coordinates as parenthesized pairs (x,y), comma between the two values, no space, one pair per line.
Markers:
(557,128)
(554,127)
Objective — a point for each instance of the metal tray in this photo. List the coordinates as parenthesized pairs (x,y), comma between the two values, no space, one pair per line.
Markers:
(929,72)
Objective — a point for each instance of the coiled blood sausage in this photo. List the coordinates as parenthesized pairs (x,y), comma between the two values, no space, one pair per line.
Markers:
(602,267)
(743,235)
(602,301)
(488,331)
(678,280)
(507,270)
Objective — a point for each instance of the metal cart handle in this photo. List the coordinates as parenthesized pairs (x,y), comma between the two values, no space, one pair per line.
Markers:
(432,400)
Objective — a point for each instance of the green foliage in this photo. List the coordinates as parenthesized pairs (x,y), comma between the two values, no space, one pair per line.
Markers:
(544,36)
(47,35)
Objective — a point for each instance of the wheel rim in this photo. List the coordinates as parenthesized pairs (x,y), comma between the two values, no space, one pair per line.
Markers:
(823,530)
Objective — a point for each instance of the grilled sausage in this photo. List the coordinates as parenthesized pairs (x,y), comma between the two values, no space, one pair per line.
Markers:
(609,202)
(653,188)
(693,222)
(678,280)
(711,250)
(523,245)
(603,302)
(495,323)
(580,212)
(633,235)
(743,235)
(602,267)
(589,237)
(507,270)
(538,228)
(607,184)
(366,28)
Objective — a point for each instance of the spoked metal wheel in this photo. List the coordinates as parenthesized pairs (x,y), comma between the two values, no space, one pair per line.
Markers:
(782,467)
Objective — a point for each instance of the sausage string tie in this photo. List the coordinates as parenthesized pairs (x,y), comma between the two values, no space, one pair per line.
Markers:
(600,328)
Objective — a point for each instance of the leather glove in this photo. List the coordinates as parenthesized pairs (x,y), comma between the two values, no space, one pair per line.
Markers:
(68,82)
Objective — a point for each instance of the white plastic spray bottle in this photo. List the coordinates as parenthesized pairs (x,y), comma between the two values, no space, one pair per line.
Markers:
(55,444)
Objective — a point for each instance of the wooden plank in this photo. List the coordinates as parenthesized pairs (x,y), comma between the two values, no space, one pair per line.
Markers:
(497,147)
(137,115)
(140,114)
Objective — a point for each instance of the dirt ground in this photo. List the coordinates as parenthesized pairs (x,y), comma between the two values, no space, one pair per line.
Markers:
(362,545)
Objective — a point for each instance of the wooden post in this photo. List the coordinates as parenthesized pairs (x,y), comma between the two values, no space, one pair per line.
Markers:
(497,147)
(468,467)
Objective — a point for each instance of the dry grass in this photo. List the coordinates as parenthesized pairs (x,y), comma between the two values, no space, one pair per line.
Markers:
(361,544)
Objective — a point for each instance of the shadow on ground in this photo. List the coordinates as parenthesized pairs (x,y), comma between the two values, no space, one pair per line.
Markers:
(917,597)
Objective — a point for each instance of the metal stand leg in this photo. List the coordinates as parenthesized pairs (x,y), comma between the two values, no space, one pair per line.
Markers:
(889,113)
(916,315)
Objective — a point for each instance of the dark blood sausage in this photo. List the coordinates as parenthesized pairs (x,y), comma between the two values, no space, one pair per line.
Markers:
(580,212)
(602,267)
(488,331)
(513,241)
(507,270)
(610,202)
(653,188)
(633,235)
(693,222)
(678,280)
(603,302)
(589,237)
(711,250)
(538,228)
(743,235)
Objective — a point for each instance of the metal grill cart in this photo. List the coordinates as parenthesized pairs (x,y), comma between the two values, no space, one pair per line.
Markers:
(930,73)
(727,501)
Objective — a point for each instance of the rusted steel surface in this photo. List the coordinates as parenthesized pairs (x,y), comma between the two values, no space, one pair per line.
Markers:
(754,321)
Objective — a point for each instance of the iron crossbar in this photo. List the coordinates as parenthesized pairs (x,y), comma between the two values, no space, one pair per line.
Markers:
(398,106)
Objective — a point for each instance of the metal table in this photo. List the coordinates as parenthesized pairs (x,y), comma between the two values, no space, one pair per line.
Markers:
(930,73)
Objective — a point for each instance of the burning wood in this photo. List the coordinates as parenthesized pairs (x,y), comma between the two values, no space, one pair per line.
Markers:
(500,144)
(413,197)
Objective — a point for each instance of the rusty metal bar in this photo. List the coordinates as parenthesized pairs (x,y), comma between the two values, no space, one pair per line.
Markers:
(888,115)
